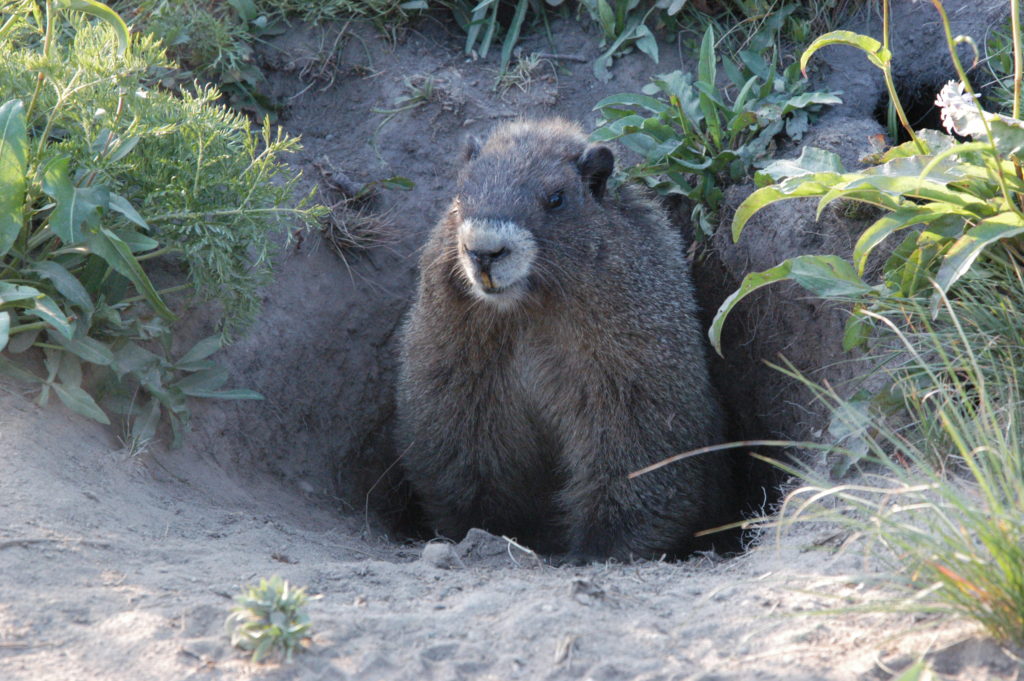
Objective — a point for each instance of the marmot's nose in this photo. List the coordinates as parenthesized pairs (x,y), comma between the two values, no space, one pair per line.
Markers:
(484,259)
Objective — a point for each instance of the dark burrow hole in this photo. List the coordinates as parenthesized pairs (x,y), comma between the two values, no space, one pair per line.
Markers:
(918,105)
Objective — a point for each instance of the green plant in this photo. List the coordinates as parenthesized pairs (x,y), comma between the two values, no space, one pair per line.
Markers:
(956,200)
(483,24)
(320,11)
(623,26)
(693,137)
(944,491)
(999,63)
(101,178)
(214,41)
(270,618)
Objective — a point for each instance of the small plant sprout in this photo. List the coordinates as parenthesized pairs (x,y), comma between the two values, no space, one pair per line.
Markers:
(270,618)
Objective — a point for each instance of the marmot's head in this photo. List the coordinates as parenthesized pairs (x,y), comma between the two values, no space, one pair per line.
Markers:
(525,200)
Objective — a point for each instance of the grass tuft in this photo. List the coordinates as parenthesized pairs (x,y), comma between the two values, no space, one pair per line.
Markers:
(945,498)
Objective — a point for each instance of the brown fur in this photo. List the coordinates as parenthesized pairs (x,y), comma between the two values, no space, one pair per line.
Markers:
(525,418)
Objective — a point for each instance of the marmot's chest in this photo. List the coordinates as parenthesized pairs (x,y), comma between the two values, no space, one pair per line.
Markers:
(547,366)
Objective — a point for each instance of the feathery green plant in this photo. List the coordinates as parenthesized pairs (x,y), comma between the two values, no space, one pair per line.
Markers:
(101,178)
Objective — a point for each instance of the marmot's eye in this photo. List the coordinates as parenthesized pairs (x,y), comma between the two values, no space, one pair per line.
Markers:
(554,200)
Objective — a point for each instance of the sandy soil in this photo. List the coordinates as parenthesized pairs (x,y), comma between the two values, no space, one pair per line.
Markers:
(121,565)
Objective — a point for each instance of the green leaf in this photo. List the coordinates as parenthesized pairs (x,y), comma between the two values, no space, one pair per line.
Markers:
(886,225)
(812,186)
(145,424)
(512,34)
(12,370)
(827,276)
(136,242)
(968,247)
(134,359)
(118,255)
(13,165)
(65,283)
(16,293)
(75,205)
(202,381)
(630,101)
(79,401)
(875,52)
(89,349)
(646,42)
(48,311)
(810,162)
(70,371)
(857,330)
(121,205)
(237,394)
(199,351)
(1007,135)
(809,98)
(104,13)
(707,74)
(5,329)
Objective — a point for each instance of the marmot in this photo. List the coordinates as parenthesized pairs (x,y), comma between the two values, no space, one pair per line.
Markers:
(554,347)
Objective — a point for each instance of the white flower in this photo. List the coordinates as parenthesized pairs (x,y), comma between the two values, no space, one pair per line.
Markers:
(959,112)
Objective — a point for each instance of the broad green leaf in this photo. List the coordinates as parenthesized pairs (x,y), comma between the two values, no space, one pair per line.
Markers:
(16,293)
(772,193)
(207,380)
(145,424)
(823,275)
(118,255)
(22,341)
(646,42)
(79,401)
(809,98)
(107,15)
(136,242)
(5,328)
(632,100)
(65,283)
(886,225)
(121,205)
(134,359)
(12,370)
(857,330)
(811,161)
(827,276)
(89,349)
(968,247)
(875,52)
(13,164)
(48,311)
(75,205)
(70,371)
(200,351)
(1007,135)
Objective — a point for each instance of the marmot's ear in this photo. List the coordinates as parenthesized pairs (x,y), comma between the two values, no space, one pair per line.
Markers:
(596,165)
(470,148)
